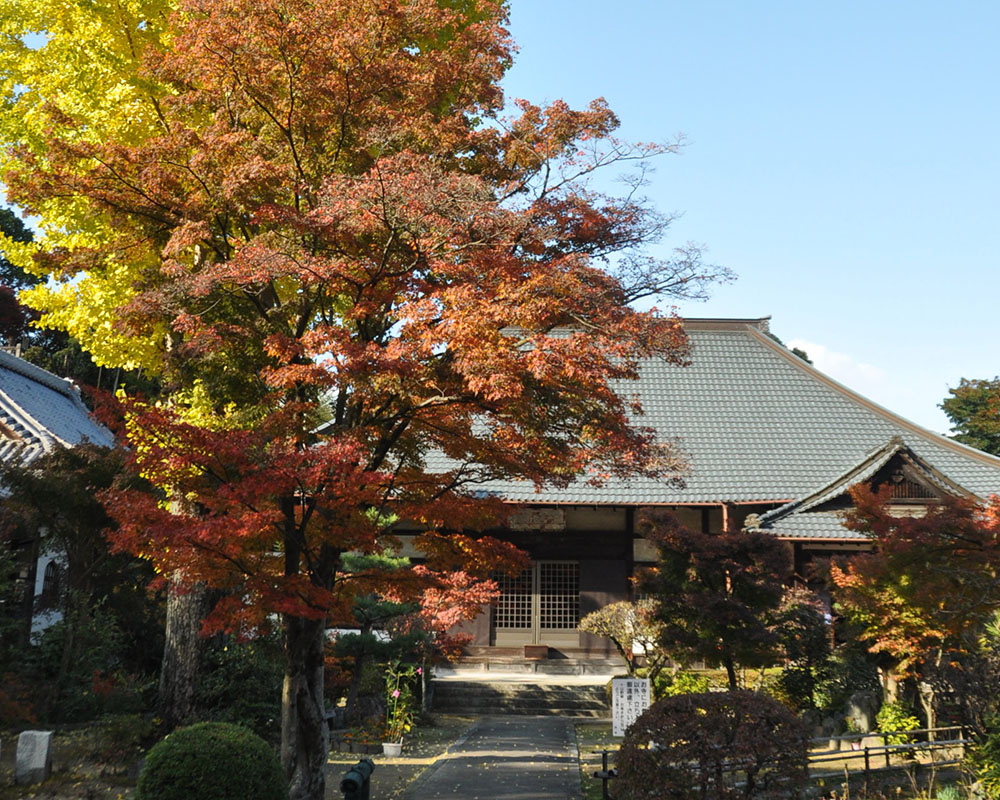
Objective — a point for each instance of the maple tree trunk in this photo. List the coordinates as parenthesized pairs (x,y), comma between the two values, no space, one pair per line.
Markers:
(181,652)
(731,674)
(303,727)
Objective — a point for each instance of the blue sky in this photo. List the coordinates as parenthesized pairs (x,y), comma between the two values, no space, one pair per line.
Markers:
(843,159)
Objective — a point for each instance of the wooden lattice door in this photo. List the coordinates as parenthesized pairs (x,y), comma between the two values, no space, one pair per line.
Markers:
(541,605)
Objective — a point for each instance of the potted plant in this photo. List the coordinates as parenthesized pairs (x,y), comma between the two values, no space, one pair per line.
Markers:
(399,704)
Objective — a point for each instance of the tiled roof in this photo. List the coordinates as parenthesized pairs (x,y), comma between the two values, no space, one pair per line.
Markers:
(806,518)
(40,411)
(813,525)
(839,486)
(863,472)
(759,424)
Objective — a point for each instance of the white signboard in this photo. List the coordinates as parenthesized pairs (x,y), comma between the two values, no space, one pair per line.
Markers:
(629,698)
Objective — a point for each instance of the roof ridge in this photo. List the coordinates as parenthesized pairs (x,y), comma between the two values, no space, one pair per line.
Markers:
(862,471)
(62,385)
(727,323)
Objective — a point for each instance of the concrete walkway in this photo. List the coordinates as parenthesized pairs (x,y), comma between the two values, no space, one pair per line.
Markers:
(506,758)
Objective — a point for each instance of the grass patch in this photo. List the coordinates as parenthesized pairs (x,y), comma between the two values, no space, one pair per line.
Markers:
(591,737)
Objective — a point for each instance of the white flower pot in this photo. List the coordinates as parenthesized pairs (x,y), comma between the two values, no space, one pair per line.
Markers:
(392,749)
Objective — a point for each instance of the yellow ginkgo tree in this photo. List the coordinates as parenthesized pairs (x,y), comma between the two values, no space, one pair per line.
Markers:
(64,60)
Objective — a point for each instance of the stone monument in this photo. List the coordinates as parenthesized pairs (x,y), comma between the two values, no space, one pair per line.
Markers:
(33,762)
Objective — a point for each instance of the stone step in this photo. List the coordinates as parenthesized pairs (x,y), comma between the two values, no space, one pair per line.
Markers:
(566,661)
(481,697)
(535,711)
(509,689)
(487,709)
(459,702)
(563,666)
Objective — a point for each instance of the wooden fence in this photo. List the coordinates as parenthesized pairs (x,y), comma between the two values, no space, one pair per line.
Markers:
(864,757)
(860,756)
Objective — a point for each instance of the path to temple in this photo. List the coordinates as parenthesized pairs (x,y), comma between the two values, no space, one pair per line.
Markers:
(506,758)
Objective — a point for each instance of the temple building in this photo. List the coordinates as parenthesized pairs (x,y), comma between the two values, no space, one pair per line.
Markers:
(772,444)
(39,413)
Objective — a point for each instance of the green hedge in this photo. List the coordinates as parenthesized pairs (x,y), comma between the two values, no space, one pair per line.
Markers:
(212,761)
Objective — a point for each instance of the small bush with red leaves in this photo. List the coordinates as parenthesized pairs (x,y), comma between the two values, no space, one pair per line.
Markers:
(713,746)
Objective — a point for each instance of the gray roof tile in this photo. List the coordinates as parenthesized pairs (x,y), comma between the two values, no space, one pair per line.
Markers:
(759,424)
(814,525)
(40,412)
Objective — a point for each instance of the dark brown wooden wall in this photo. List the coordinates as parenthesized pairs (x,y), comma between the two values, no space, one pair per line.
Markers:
(602,581)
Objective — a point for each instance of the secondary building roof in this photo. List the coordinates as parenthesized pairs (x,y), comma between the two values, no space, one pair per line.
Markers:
(760,425)
(40,412)
(818,514)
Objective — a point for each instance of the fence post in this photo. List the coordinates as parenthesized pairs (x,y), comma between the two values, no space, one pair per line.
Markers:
(605,775)
(885,744)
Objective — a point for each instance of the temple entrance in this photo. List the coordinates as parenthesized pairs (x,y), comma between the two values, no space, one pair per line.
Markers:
(539,606)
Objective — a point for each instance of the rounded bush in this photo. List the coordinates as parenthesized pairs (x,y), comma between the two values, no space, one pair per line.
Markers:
(212,761)
(897,718)
(713,746)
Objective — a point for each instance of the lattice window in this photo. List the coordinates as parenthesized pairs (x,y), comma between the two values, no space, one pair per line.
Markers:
(909,490)
(559,595)
(50,582)
(513,607)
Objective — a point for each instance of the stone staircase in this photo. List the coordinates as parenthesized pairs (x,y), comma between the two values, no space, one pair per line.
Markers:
(510,660)
(485,696)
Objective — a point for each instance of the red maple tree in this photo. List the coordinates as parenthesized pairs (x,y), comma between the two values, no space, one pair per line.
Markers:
(931,583)
(376,296)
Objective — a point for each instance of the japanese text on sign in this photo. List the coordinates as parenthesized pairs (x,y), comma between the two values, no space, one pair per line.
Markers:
(629,698)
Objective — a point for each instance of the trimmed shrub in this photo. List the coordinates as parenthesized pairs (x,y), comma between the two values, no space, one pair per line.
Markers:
(681,682)
(212,761)
(715,746)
